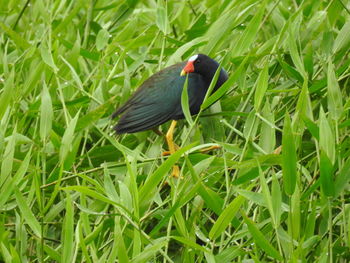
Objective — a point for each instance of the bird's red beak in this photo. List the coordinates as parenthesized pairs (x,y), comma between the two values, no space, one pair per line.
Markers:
(189,68)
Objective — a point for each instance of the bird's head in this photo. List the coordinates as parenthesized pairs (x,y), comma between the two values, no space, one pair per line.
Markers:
(205,67)
(200,64)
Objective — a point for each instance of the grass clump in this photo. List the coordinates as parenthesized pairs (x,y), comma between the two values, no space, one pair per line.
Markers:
(70,191)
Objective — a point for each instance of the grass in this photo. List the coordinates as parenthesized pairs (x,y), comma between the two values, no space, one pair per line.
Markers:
(277,190)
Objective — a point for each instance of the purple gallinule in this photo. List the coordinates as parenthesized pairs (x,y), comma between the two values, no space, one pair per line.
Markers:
(158,99)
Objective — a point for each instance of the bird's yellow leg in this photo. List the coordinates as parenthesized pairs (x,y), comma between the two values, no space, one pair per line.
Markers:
(170,137)
(172,148)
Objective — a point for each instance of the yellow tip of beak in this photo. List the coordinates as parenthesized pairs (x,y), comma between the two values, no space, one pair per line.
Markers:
(183,73)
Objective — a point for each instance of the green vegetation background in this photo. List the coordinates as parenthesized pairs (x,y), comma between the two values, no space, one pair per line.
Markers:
(71,191)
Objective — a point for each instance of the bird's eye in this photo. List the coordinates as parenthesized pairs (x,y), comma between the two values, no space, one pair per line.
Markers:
(198,61)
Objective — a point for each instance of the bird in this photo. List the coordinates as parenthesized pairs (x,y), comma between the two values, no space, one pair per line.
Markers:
(158,99)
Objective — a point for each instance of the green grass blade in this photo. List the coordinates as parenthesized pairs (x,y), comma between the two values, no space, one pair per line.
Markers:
(8,158)
(46,113)
(268,134)
(276,196)
(147,190)
(184,198)
(342,38)
(267,196)
(190,243)
(74,74)
(7,93)
(52,253)
(304,107)
(326,172)
(8,187)
(82,245)
(289,157)
(67,138)
(17,38)
(260,239)
(119,240)
(68,231)
(109,186)
(249,34)
(27,214)
(85,190)
(185,102)
(183,49)
(342,179)
(292,44)
(5,253)
(294,222)
(102,39)
(162,17)
(93,116)
(312,127)
(210,197)
(327,139)
(261,85)
(47,57)
(222,25)
(226,217)
(334,96)
(150,250)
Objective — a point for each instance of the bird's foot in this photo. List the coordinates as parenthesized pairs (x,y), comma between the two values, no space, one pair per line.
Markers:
(176,172)
(278,150)
(167,153)
(208,149)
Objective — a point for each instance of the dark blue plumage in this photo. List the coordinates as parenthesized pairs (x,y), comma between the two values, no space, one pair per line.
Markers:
(158,99)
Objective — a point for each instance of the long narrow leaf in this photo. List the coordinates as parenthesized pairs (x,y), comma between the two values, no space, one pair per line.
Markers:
(289,157)
(326,172)
(152,182)
(226,217)
(261,87)
(334,96)
(68,231)
(46,113)
(185,103)
(27,213)
(260,239)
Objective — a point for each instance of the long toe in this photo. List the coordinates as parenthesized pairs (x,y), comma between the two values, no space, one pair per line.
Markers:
(167,153)
(176,172)
(208,149)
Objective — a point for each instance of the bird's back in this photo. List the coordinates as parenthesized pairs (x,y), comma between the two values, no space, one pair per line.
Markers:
(158,100)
